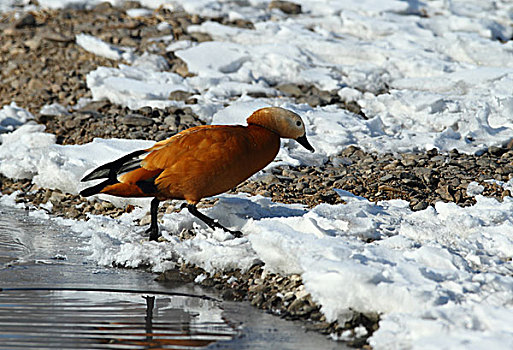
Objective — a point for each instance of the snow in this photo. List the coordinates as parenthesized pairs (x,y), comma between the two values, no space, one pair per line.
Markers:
(101,48)
(435,74)
(12,116)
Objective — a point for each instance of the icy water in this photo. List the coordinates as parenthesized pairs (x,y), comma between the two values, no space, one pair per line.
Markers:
(53,297)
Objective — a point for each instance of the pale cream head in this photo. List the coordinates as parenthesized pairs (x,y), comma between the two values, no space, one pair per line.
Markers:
(285,123)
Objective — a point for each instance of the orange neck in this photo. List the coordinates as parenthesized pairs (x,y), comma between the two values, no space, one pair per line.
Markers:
(266,144)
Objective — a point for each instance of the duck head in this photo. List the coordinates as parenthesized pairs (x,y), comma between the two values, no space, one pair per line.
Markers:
(285,123)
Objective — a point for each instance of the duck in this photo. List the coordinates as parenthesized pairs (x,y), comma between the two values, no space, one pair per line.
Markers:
(199,162)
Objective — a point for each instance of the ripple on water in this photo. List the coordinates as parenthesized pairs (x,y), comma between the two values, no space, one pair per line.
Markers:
(60,319)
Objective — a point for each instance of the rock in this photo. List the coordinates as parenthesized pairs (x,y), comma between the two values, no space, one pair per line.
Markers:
(290,89)
(35,84)
(312,100)
(445,193)
(180,95)
(71,123)
(33,43)
(420,206)
(496,151)
(26,20)
(268,179)
(57,37)
(136,120)
(57,197)
(200,37)
(287,7)
(172,121)
(103,7)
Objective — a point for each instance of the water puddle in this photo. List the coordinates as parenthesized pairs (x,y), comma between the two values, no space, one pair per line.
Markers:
(92,319)
(52,296)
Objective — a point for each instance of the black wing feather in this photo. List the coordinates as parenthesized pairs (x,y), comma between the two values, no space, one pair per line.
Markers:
(112,169)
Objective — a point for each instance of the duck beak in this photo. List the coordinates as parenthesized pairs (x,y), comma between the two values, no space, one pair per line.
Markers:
(304,142)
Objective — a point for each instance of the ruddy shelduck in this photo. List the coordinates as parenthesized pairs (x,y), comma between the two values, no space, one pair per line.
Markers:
(199,162)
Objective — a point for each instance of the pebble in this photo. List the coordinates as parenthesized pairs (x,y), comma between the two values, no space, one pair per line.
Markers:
(287,7)
(136,120)
(180,95)
(26,20)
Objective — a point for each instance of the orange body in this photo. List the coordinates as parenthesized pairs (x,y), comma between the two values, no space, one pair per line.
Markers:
(199,162)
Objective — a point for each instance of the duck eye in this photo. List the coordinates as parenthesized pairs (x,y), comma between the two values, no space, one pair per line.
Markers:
(298,123)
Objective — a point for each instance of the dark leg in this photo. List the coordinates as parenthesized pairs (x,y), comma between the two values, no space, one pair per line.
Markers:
(154,226)
(213,224)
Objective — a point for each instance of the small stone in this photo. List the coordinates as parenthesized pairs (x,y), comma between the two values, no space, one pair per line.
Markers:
(496,151)
(146,111)
(26,20)
(171,120)
(309,191)
(268,179)
(290,89)
(71,123)
(145,220)
(33,43)
(57,37)
(57,197)
(444,193)
(386,178)
(313,100)
(438,159)
(136,120)
(9,32)
(201,37)
(35,84)
(348,152)
(420,206)
(180,95)
(257,300)
(287,7)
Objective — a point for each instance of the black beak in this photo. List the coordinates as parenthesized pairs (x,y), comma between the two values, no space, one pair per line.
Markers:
(304,142)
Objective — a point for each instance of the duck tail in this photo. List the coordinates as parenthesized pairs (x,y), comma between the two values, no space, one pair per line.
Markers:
(111,171)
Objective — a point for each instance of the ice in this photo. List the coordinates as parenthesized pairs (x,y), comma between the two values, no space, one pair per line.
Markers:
(30,153)
(424,272)
(54,109)
(101,48)
(140,12)
(12,116)
(442,269)
(427,82)
(435,74)
(135,86)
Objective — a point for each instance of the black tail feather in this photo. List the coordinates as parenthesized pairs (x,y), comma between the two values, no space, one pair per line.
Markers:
(111,170)
(86,192)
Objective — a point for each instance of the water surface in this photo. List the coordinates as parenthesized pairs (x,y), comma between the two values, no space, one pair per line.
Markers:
(53,297)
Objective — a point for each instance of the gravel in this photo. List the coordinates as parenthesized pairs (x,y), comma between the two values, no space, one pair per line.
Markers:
(43,65)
